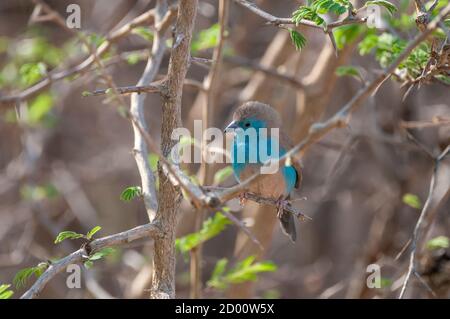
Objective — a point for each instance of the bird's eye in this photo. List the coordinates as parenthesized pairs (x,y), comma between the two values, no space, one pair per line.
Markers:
(247,124)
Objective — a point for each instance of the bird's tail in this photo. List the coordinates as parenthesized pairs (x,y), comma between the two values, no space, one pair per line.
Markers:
(287,223)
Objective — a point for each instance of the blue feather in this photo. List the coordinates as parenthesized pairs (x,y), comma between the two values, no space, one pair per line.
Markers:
(246,150)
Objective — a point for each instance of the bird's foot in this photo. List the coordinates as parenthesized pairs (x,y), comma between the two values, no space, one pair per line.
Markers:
(242,198)
(281,204)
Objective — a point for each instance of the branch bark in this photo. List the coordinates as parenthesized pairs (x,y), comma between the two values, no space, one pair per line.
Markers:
(163,282)
(140,150)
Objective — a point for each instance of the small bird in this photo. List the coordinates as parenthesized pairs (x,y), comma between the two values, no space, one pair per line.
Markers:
(279,185)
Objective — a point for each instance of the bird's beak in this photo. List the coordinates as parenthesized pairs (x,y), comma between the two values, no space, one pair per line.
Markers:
(232,126)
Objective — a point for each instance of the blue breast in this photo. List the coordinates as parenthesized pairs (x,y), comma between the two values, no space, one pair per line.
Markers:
(247,151)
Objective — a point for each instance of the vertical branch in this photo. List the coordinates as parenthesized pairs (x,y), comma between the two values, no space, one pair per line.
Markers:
(163,282)
(208,96)
(421,228)
(140,150)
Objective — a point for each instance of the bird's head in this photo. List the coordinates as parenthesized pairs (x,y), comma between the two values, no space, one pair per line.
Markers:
(254,115)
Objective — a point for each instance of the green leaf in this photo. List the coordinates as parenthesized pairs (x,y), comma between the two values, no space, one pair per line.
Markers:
(88,264)
(447,22)
(246,270)
(210,228)
(133,58)
(153,159)
(412,200)
(325,6)
(67,235)
(22,276)
(102,253)
(306,13)
(245,273)
(86,93)
(30,73)
(95,39)
(130,193)
(38,192)
(217,273)
(368,44)
(92,232)
(206,39)
(39,107)
(222,174)
(386,282)
(346,34)
(298,39)
(348,71)
(5,293)
(438,243)
(144,32)
(391,8)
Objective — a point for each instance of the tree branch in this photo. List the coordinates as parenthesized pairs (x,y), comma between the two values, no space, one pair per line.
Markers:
(145,231)
(271,19)
(163,281)
(140,150)
(419,229)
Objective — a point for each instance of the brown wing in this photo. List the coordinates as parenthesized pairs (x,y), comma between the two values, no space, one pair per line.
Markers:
(287,144)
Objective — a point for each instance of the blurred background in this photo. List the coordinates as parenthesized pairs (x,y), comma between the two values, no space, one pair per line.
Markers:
(66,161)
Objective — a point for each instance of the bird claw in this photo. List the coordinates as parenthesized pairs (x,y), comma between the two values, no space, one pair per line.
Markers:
(242,199)
(281,204)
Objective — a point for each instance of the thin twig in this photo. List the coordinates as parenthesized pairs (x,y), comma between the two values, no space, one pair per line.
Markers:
(418,229)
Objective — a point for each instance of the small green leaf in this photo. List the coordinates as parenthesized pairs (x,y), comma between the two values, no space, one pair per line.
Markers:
(325,6)
(206,39)
(412,200)
(39,107)
(38,192)
(88,264)
(438,243)
(95,40)
(391,8)
(30,73)
(102,253)
(67,235)
(306,13)
(109,91)
(346,34)
(144,32)
(153,159)
(246,270)
(447,22)
(92,232)
(222,174)
(133,58)
(4,292)
(22,276)
(210,228)
(86,93)
(298,39)
(386,282)
(348,71)
(218,272)
(130,193)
